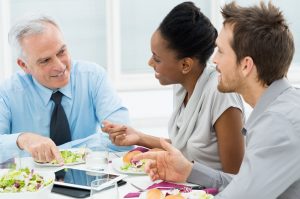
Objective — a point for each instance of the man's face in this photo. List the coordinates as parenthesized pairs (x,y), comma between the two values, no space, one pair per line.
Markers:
(46,58)
(230,78)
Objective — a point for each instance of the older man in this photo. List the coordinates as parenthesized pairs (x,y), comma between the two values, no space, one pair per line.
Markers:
(54,100)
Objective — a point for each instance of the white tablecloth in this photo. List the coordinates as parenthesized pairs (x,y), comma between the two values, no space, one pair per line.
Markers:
(141,181)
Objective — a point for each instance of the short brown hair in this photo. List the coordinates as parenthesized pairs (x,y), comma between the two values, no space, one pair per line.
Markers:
(262,33)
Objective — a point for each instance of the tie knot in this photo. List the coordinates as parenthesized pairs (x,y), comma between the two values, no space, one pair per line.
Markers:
(56,97)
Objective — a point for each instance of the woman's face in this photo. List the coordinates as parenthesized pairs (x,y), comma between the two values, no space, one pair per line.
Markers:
(167,67)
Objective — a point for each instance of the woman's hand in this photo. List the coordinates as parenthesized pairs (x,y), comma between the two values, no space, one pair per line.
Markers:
(121,135)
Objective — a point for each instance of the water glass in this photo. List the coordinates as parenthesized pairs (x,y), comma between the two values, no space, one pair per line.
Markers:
(97,159)
(10,162)
(101,188)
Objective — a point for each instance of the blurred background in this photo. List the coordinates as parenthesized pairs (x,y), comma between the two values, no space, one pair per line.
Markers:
(116,35)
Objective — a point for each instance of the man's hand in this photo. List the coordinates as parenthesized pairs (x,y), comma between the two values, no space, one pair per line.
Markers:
(121,135)
(168,165)
(42,149)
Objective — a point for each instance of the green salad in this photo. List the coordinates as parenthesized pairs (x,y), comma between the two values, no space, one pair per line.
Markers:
(22,180)
(137,166)
(71,156)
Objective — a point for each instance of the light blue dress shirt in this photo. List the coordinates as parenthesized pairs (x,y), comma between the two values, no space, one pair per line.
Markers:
(25,106)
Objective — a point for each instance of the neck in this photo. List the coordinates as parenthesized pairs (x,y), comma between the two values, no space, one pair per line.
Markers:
(252,94)
(190,81)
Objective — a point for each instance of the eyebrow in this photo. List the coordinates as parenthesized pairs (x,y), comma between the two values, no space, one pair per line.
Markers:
(218,46)
(44,58)
(155,54)
(63,47)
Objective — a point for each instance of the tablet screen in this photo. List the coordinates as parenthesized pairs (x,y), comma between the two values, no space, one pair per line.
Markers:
(81,178)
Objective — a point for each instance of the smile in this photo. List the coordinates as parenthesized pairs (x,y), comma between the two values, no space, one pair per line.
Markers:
(59,74)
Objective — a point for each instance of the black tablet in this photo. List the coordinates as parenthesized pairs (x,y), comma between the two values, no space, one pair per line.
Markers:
(69,191)
(77,178)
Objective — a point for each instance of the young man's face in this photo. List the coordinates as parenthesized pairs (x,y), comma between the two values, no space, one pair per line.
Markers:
(46,58)
(230,78)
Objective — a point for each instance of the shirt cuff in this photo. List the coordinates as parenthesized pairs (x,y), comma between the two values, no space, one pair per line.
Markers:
(9,147)
(208,177)
(199,175)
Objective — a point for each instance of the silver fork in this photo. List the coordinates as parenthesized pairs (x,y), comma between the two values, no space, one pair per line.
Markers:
(184,189)
(138,188)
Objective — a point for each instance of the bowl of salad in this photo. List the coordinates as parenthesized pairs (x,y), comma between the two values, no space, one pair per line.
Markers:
(25,183)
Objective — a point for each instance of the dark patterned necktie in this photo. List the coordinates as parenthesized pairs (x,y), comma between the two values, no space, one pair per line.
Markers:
(59,125)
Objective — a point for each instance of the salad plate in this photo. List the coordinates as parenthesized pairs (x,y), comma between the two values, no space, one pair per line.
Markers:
(126,164)
(121,167)
(25,183)
(71,157)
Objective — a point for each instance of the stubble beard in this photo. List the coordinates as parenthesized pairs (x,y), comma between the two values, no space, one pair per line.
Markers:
(225,88)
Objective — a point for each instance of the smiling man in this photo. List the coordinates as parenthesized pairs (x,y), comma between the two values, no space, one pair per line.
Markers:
(255,50)
(54,100)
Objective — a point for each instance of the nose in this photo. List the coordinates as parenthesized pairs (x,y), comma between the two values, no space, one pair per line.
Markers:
(214,59)
(59,65)
(151,62)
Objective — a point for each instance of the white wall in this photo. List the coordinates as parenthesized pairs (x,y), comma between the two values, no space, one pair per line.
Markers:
(149,110)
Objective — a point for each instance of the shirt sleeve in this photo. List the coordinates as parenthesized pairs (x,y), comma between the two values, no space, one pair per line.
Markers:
(93,141)
(208,177)
(8,142)
(108,106)
(223,101)
(271,163)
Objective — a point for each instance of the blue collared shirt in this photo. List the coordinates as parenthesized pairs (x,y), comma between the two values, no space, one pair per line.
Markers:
(25,106)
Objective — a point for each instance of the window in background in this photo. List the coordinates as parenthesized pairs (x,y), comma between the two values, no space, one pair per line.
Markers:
(83,24)
(139,19)
(291,12)
(113,33)
(116,33)
(5,64)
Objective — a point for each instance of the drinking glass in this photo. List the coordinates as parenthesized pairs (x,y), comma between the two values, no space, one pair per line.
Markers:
(10,162)
(101,188)
(97,159)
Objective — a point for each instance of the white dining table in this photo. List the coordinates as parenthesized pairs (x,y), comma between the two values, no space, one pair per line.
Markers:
(142,181)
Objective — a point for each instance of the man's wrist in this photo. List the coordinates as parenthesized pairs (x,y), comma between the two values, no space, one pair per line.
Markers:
(20,141)
(188,169)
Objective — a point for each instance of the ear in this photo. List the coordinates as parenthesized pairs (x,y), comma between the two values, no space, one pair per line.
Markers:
(247,65)
(23,65)
(187,65)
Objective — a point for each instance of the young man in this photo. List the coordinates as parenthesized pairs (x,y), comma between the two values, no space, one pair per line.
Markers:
(53,96)
(255,49)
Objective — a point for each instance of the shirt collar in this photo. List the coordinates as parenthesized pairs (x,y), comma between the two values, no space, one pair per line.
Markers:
(271,93)
(46,93)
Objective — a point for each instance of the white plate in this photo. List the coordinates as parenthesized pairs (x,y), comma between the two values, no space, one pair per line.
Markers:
(194,194)
(117,163)
(66,164)
(42,193)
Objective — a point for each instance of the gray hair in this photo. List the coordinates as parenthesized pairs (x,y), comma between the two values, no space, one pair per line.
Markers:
(29,26)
